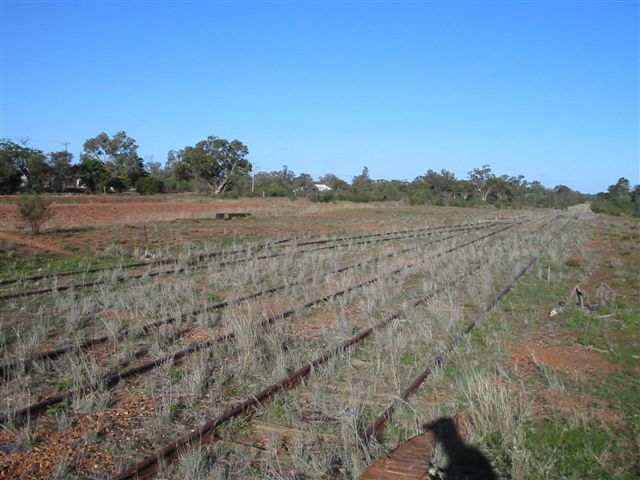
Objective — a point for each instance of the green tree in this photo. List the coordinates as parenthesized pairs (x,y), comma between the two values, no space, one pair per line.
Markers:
(16,161)
(10,173)
(635,198)
(480,181)
(119,155)
(617,200)
(537,194)
(443,185)
(304,185)
(60,163)
(279,183)
(38,173)
(153,168)
(362,185)
(333,181)
(215,161)
(620,194)
(150,186)
(564,197)
(94,174)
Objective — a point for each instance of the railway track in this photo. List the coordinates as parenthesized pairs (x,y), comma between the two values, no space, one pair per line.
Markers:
(376,429)
(206,432)
(151,263)
(247,250)
(5,370)
(194,263)
(110,380)
(303,374)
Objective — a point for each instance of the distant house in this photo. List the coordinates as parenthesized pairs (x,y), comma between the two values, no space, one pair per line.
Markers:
(322,187)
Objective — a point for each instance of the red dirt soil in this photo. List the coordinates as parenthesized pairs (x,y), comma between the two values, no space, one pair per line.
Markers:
(77,445)
(92,210)
(577,360)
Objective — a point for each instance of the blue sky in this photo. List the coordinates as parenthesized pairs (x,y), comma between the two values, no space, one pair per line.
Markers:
(549,90)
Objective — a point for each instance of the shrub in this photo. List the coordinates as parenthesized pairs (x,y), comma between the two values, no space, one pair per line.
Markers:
(230,195)
(116,184)
(149,186)
(419,198)
(35,210)
(326,197)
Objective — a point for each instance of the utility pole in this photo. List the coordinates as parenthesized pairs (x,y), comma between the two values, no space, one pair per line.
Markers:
(253,178)
(66,150)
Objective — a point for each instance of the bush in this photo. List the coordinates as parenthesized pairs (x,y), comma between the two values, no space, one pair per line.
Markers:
(230,195)
(606,207)
(116,184)
(149,186)
(325,197)
(419,198)
(35,210)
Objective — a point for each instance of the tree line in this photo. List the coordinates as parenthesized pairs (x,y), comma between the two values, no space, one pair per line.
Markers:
(112,164)
(220,167)
(619,199)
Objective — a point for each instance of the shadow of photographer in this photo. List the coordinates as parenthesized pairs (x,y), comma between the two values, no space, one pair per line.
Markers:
(464,462)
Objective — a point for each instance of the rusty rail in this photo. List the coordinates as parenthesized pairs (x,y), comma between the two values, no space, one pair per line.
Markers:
(192,263)
(88,343)
(150,465)
(110,380)
(203,256)
(376,429)
(166,261)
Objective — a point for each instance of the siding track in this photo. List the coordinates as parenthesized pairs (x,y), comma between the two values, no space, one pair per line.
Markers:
(110,380)
(206,432)
(194,263)
(428,275)
(7,369)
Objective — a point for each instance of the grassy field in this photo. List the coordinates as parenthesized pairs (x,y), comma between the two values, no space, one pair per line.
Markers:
(140,362)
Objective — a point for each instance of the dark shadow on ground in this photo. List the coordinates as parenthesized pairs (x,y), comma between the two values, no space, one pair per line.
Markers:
(463,461)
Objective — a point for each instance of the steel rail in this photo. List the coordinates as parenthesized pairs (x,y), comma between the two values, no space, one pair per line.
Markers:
(376,428)
(90,342)
(111,380)
(193,263)
(150,465)
(167,261)
(202,256)
(192,267)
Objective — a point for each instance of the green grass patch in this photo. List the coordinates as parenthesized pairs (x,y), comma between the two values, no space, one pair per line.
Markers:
(214,298)
(176,374)
(57,410)
(409,359)
(276,411)
(235,426)
(577,449)
(70,247)
(587,447)
(64,384)
(48,263)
